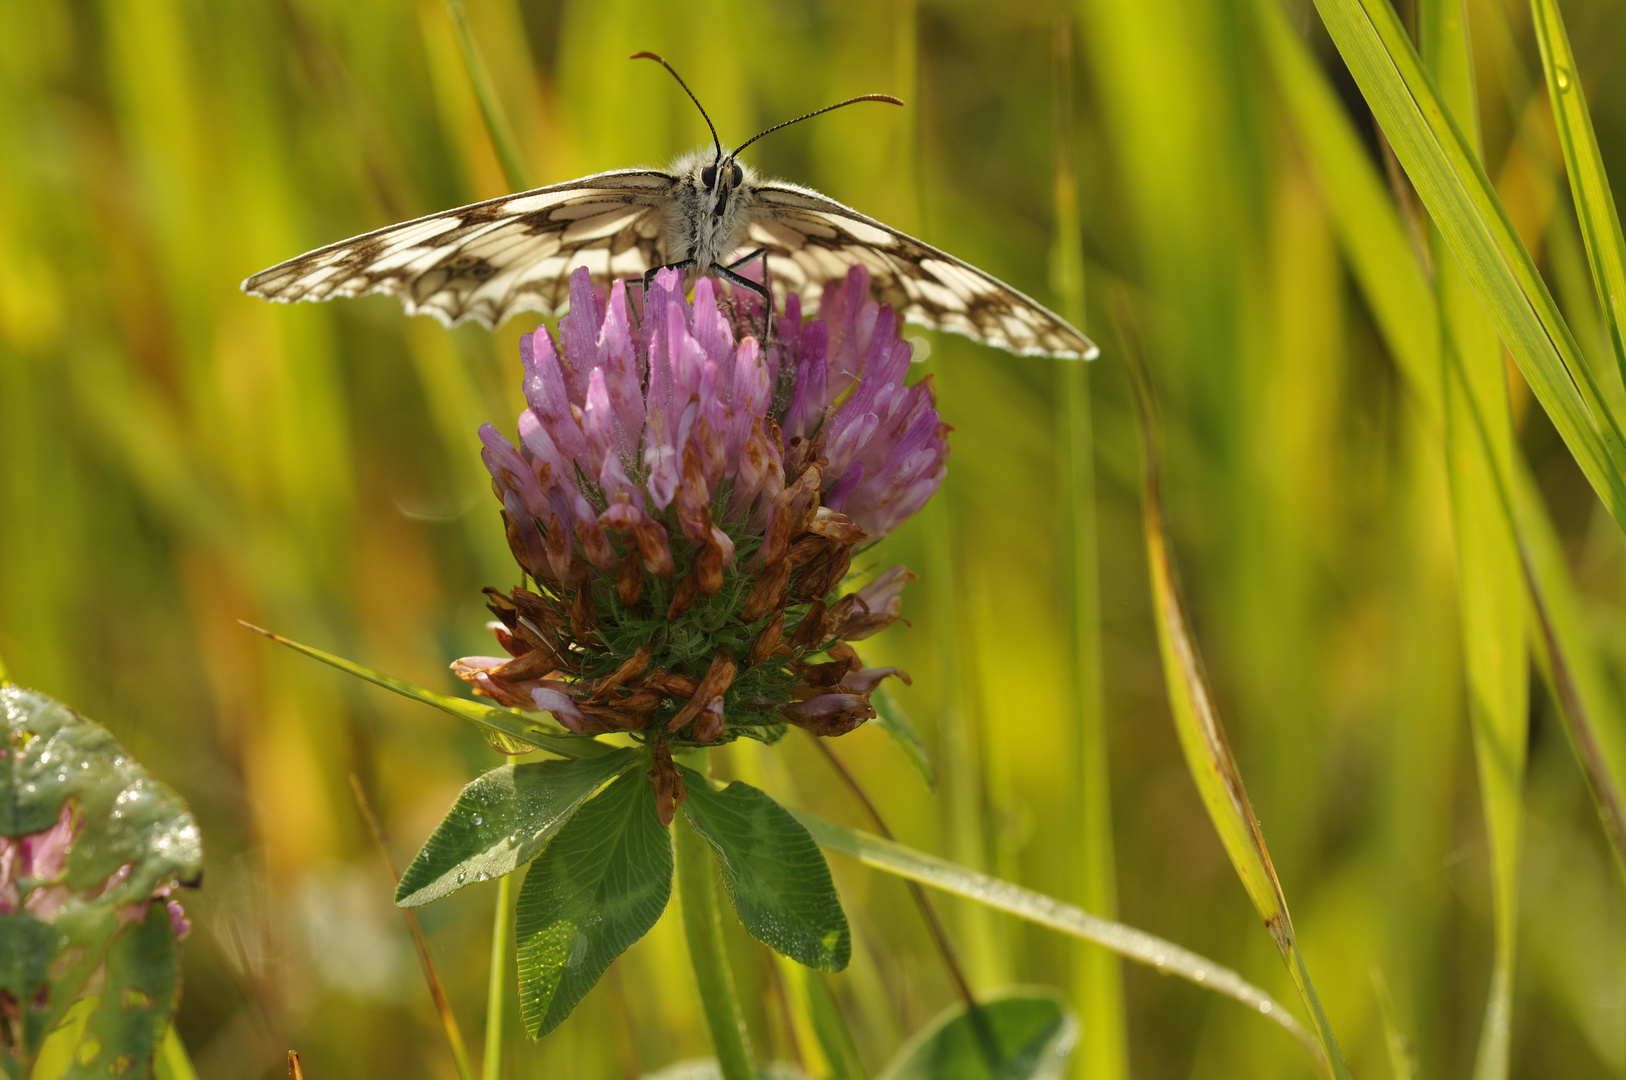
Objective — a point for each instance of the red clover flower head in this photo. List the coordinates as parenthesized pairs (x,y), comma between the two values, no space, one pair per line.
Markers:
(687,503)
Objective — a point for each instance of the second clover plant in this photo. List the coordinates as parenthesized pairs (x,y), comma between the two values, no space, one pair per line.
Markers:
(684,504)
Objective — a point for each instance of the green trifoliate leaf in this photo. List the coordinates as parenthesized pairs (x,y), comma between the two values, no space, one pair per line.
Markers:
(123,816)
(1017,1034)
(775,873)
(501,820)
(92,838)
(596,889)
(890,718)
(142,989)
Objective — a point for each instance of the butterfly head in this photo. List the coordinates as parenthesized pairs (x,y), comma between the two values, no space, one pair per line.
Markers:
(722,174)
(719,178)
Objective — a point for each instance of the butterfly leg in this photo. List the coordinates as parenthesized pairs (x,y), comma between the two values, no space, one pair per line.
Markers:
(761,290)
(757,254)
(727,274)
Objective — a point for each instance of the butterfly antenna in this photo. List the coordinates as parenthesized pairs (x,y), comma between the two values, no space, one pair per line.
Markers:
(888,98)
(718,143)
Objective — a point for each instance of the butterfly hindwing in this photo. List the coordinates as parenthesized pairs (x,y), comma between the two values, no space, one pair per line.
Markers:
(489,260)
(812,239)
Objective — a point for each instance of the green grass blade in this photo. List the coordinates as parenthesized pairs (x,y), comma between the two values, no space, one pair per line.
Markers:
(1207,752)
(491,110)
(1128,942)
(1097,976)
(505,723)
(1391,278)
(1570,663)
(173,1061)
(1370,230)
(1476,228)
(1490,587)
(1589,185)
(830,1030)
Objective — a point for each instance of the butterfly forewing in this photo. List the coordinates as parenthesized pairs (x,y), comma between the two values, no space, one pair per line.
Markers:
(812,239)
(490,260)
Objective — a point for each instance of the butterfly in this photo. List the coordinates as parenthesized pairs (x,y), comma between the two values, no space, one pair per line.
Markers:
(708,213)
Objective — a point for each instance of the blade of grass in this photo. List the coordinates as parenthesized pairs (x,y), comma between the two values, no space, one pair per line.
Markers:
(1401,1064)
(510,724)
(1476,228)
(1097,978)
(1391,277)
(443,1008)
(1478,450)
(1208,754)
(1370,231)
(1137,945)
(1568,659)
(1589,184)
(174,1063)
(829,1027)
(491,110)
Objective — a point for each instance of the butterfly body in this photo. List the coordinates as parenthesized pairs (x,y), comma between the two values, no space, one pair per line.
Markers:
(710,211)
(490,260)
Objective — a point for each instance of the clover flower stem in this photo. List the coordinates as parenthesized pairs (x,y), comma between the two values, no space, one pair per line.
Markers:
(697,897)
(502,933)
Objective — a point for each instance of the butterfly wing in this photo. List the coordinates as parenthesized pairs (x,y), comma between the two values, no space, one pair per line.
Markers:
(489,260)
(812,239)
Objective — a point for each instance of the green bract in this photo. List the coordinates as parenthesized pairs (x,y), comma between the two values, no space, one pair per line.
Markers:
(91,840)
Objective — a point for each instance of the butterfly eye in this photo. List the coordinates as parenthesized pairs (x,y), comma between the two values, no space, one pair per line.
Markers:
(708,175)
(736,177)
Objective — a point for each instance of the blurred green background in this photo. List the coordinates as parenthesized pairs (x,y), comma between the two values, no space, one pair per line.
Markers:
(175,456)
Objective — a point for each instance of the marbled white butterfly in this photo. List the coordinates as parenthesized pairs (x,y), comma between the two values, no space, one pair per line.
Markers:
(707,214)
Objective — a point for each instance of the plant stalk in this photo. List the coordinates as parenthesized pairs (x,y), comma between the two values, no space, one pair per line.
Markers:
(933,922)
(697,896)
(502,933)
(1097,976)
(5,676)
